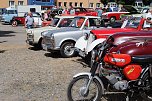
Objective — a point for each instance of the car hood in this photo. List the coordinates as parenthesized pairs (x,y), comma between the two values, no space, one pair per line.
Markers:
(110,31)
(63,29)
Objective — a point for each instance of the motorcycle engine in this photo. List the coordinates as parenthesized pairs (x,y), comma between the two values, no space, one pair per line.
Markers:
(114,78)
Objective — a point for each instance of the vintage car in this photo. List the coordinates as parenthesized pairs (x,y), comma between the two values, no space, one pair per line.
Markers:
(21,20)
(64,39)
(113,16)
(85,11)
(88,42)
(133,43)
(34,37)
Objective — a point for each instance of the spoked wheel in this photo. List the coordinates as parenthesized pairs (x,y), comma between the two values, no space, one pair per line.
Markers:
(67,49)
(147,95)
(77,87)
(14,23)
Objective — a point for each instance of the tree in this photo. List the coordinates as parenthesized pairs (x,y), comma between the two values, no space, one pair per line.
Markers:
(146,2)
(105,2)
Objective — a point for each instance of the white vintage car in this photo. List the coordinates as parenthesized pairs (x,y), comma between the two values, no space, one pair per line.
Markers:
(34,37)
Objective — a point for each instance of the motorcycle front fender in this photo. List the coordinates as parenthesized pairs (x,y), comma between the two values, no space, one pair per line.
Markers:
(81,43)
(94,44)
(89,75)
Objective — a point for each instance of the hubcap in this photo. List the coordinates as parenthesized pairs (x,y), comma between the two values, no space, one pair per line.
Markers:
(68,50)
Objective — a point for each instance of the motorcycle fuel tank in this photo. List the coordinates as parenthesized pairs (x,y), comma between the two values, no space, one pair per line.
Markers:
(119,60)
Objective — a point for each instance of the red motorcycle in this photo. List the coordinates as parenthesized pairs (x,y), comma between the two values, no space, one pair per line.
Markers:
(113,74)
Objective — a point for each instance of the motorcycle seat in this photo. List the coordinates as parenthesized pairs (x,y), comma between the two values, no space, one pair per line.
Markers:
(142,59)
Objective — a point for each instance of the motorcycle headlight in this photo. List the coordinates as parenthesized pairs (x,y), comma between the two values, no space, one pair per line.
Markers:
(86,36)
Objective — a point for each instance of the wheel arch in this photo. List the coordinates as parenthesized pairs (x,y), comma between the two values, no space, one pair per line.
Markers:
(67,40)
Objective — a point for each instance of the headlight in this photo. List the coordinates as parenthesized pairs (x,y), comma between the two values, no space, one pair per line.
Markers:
(44,33)
(29,31)
(92,36)
(86,36)
(47,34)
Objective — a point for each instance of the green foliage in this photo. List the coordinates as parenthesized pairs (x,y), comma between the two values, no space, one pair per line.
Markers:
(147,2)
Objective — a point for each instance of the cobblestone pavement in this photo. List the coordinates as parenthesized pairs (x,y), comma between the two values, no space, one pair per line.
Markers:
(27,74)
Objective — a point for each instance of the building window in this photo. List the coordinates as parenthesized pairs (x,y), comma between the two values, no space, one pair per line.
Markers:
(20,2)
(97,5)
(70,3)
(76,4)
(65,4)
(81,4)
(60,4)
(45,0)
(91,5)
(11,3)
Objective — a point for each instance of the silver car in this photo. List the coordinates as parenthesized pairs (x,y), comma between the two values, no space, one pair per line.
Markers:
(64,39)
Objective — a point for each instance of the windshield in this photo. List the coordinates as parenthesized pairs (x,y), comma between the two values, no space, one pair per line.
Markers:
(65,22)
(54,22)
(77,22)
(133,22)
(11,12)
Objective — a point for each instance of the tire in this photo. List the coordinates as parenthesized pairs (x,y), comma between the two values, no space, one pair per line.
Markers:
(14,23)
(40,44)
(112,20)
(79,93)
(147,95)
(66,50)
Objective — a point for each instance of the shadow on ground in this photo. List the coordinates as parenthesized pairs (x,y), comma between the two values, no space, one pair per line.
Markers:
(6,33)
(35,48)
(83,62)
(53,55)
(2,51)
(2,41)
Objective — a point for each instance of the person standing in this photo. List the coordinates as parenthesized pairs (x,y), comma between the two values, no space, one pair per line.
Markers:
(72,11)
(148,22)
(29,21)
(99,11)
(65,11)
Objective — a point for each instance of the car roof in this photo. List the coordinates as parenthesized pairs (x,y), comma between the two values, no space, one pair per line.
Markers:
(71,16)
(89,16)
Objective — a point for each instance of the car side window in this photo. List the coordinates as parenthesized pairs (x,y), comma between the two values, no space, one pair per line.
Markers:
(86,23)
(92,22)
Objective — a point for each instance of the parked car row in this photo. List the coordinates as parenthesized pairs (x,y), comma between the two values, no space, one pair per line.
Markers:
(78,34)
(63,33)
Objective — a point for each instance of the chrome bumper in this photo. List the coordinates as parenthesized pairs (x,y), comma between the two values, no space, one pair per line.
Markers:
(30,39)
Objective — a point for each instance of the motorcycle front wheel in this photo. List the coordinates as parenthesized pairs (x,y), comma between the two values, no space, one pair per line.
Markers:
(147,95)
(77,88)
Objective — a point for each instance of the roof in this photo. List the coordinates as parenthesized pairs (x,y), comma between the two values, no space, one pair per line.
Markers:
(69,16)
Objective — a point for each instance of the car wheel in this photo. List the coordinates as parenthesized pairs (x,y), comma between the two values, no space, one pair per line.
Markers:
(112,19)
(14,23)
(67,49)
(40,44)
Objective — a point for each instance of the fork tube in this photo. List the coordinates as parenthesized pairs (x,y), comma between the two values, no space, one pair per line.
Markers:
(88,84)
(94,68)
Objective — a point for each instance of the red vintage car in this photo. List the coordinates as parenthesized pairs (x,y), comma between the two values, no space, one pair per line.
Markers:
(112,16)
(21,20)
(133,43)
(84,11)
(97,36)
(131,25)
